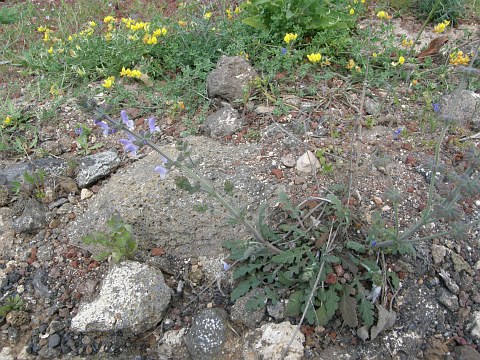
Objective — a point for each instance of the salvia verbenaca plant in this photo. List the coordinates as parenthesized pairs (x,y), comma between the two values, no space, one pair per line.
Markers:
(135,141)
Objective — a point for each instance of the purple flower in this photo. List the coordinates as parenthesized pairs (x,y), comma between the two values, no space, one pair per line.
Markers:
(105,127)
(78,131)
(226,266)
(397,133)
(284,51)
(152,126)
(436,107)
(129,146)
(373,243)
(126,120)
(161,170)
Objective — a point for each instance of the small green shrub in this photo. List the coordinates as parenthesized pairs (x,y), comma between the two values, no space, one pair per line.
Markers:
(11,303)
(452,10)
(119,240)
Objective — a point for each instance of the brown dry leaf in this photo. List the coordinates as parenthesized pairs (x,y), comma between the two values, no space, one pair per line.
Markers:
(146,80)
(433,48)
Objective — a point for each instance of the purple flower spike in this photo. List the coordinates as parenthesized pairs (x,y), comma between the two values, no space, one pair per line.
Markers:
(436,107)
(106,129)
(129,146)
(284,51)
(161,171)
(152,126)
(126,120)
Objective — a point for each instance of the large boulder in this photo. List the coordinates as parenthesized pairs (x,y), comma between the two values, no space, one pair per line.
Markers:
(230,78)
(133,298)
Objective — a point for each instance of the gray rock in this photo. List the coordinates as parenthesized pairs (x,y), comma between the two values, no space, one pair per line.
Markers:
(461,106)
(51,166)
(277,311)
(438,253)
(32,218)
(224,122)
(133,298)
(55,326)
(7,234)
(93,167)
(45,252)
(240,313)
(270,340)
(208,334)
(372,107)
(230,78)
(466,353)
(4,195)
(54,340)
(40,284)
(68,185)
(474,325)
(161,215)
(449,300)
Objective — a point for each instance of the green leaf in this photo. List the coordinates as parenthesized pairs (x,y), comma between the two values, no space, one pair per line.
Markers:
(255,22)
(331,302)
(294,304)
(102,256)
(366,311)
(243,287)
(395,280)
(332,259)
(288,206)
(357,247)
(289,256)
(322,316)
(228,187)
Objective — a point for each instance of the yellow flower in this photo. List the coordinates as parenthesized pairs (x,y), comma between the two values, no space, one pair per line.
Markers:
(355,1)
(109,19)
(92,23)
(237,10)
(108,36)
(358,69)
(441,26)
(108,82)
(352,11)
(414,82)
(7,121)
(363,1)
(407,43)
(314,57)
(42,29)
(50,50)
(182,23)
(351,64)
(130,73)
(149,39)
(229,14)
(70,38)
(383,15)
(181,105)
(374,54)
(46,36)
(459,58)
(207,15)
(401,60)
(289,37)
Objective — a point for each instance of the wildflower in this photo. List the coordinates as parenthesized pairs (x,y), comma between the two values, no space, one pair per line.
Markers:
(42,29)
(108,82)
(161,170)
(414,82)
(50,50)
(130,73)
(397,133)
(314,57)
(129,146)
(229,14)
(160,32)
(70,38)
(108,36)
(207,15)
(358,69)
(352,11)
(237,10)
(459,58)
(108,19)
(401,60)
(436,107)
(105,127)
(351,64)
(407,43)
(7,121)
(374,54)
(181,105)
(439,28)
(149,39)
(152,127)
(46,36)
(92,23)
(383,15)
(182,23)
(363,1)
(289,37)
(128,123)
(226,266)
(284,51)
(78,131)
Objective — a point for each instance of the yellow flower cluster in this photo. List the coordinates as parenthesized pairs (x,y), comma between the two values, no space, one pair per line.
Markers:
(182,23)
(7,121)
(207,15)
(350,65)
(289,37)
(46,33)
(383,15)
(131,73)
(407,43)
(458,58)
(439,28)
(352,11)
(108,82)
(314,57)
(109,19)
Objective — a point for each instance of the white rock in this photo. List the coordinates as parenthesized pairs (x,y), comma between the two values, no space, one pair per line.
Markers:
(307,162)
(273,339)
(170,340)
(475,325)
(85,194)
(133,298)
